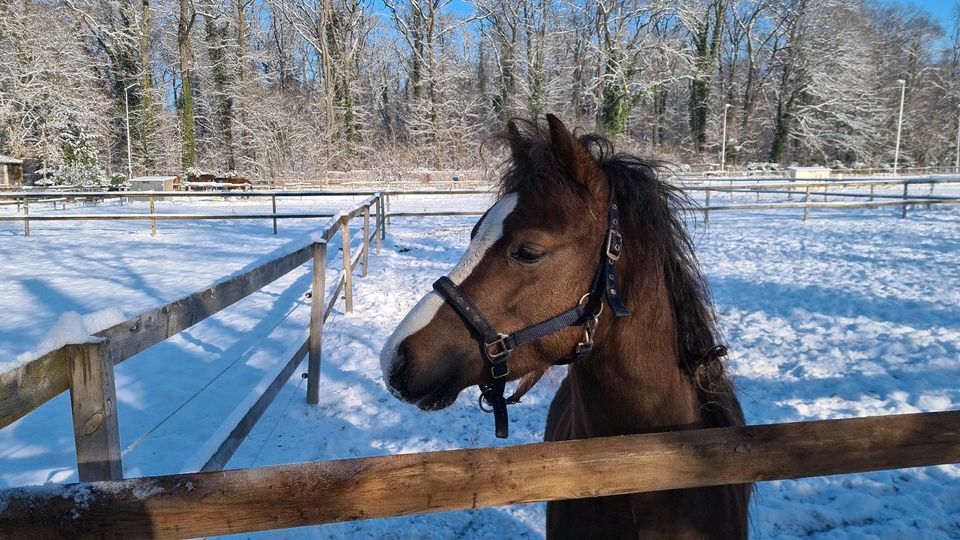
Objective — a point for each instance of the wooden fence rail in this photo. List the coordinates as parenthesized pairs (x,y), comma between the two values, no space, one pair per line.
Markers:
(87,369)
(243,500)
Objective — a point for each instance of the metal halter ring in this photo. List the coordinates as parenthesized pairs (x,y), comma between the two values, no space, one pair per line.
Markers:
(586,297)
(483,400)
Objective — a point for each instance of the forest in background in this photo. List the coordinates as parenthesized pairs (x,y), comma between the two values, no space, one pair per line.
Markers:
(278,90)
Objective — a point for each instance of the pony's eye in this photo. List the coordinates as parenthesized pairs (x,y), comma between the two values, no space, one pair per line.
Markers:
(528,254)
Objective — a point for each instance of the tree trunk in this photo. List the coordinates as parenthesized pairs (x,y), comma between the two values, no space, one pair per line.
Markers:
(189,155)
(216,38)
(147,121)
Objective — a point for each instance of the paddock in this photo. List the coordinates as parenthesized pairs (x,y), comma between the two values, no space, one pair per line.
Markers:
(780,358)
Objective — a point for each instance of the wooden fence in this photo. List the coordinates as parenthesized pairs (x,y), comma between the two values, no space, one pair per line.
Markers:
(243,500)
(87,369)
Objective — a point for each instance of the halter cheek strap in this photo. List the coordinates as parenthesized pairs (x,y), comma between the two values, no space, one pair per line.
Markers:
(496,347)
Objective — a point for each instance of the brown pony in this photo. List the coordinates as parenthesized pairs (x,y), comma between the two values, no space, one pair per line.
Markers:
(534,255)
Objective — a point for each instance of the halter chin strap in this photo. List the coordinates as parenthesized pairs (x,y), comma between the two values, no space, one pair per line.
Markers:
(496,347)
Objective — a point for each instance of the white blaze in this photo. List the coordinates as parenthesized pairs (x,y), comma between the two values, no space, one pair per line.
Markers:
(490,230)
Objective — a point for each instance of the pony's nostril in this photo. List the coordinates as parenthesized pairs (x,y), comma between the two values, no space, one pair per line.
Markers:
(398,372)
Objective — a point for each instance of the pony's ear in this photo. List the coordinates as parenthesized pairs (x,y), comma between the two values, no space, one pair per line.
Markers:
(572,155)
(518,145)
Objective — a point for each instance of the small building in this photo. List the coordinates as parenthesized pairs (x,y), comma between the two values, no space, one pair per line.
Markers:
(154,183)
(11,172)
(809,173)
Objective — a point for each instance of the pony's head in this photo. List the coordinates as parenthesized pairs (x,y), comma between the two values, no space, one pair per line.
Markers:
(531,256)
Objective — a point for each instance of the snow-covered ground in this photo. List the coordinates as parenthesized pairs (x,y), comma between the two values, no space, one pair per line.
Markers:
(853,313)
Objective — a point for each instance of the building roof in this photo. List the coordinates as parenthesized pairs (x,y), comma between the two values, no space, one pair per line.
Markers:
(8,159)
(153,178)
(797,168)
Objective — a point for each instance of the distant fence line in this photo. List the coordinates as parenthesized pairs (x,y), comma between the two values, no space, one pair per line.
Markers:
(789,188)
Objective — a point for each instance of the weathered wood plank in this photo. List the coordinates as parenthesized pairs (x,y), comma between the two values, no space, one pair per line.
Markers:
(31,385)
(334,298)
(189,505)
(229,446)
(93,401)
(317,305)
(366,241)
(347,264)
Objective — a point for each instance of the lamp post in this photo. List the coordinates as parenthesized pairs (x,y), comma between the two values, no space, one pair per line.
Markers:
(956,163)
(126,104)
(723,143)
(896,153)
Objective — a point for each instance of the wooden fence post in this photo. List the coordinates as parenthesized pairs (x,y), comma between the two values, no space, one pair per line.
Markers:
(905,187)
(871,192)
(26,216)
(378,231)
(93,400)
(706,208)
(317,300)
(347,265)
(274,200)
(153,218)
(806,206)
(366,239)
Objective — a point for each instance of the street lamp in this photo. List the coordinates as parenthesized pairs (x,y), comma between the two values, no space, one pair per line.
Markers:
(126,104)
(896,154)
(723,143)
(956,163)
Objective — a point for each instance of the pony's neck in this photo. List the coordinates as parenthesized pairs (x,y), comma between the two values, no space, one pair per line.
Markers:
(633,382)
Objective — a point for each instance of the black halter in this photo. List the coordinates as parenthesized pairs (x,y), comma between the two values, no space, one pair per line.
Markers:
(496,347)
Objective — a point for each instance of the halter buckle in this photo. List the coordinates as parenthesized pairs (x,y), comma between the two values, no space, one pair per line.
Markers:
(614,245)
(498,348)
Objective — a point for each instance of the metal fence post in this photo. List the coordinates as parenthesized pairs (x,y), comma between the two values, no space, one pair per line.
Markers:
(93,401)
(317,301)
(388,207)
(366,239)
(153,218)
(806,203)
(347,265)
(383,216)
(706,207)
(378,231)
(904,213)
(274,200)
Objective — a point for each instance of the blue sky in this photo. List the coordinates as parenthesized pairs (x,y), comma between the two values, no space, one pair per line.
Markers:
(941,9)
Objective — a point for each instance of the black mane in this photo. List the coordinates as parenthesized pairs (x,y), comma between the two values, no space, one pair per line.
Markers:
(652,212)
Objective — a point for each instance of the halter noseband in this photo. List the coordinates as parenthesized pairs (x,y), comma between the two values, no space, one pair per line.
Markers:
(496,347)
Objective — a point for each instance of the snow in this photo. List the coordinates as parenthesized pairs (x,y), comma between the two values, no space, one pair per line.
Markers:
(852,313)
(71,328)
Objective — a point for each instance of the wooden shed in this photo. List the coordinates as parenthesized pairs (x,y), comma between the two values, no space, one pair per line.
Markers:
(153,183)
(809,173)
(11,172)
